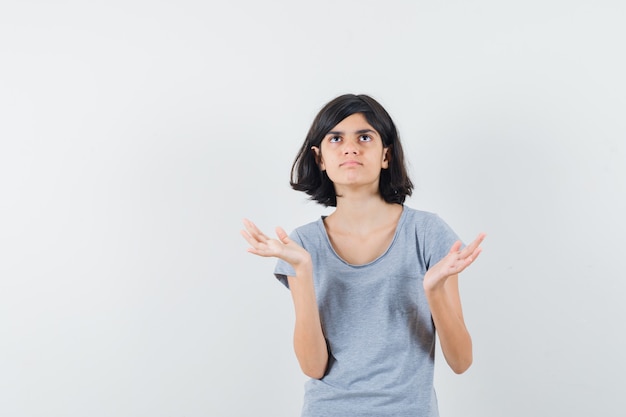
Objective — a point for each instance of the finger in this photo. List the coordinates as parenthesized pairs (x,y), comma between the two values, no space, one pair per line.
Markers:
(251,240)
(282,235)
(474,254)
(251,227)
(469,249)
(254,231)
(470,259)
(456,246)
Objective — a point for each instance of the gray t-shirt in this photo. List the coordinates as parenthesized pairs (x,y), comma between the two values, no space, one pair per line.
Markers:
(376,321)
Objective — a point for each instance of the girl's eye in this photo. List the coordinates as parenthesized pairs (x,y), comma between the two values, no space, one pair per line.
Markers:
(365,138)
(334,139)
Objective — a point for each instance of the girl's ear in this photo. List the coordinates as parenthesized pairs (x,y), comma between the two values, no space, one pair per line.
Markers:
(318,157)
(386,158)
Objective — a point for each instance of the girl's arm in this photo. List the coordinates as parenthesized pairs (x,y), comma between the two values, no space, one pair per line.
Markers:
(308,339)
(309,342)
(456,343)
(441,285)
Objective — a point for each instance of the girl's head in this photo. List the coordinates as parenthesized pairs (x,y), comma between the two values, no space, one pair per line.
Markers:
(306,175)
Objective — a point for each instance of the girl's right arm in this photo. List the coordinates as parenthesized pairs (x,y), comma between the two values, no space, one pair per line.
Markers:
(308,339)
(309,342)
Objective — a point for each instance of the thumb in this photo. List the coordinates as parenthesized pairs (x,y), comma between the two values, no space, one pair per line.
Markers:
(282,235)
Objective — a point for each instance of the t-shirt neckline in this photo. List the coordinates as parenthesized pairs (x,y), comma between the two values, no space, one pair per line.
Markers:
(324,232)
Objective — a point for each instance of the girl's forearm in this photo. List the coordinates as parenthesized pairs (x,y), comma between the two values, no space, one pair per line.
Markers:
(309,342)
(456,342)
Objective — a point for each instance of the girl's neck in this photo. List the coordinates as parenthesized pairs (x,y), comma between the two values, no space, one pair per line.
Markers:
(362,214)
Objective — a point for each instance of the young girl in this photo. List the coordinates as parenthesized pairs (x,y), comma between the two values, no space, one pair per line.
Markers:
(373,280)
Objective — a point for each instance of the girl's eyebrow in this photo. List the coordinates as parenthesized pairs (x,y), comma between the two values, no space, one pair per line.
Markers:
(360,132)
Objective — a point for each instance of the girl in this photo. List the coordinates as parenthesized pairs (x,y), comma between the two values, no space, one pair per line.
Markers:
(372,281)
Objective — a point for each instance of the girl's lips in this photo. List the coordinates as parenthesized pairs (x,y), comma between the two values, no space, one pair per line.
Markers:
(350,163)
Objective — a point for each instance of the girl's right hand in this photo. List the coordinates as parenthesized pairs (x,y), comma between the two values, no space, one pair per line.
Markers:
(282,248)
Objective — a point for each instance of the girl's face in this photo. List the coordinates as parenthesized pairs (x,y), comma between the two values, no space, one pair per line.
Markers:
(352,154)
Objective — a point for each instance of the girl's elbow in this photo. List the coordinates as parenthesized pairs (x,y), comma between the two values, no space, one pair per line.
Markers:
(315,369)
(315,372)
(314,365)
(461,366)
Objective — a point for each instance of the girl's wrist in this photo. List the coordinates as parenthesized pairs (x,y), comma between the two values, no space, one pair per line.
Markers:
(433,285)
(304,265)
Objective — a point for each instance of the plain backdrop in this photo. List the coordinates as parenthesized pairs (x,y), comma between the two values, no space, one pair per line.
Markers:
(136,135)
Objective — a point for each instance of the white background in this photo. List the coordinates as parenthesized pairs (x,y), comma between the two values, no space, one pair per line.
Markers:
(135,136)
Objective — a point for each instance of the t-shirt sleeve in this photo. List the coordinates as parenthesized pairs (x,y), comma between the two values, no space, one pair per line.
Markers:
(284,269)
(438,240)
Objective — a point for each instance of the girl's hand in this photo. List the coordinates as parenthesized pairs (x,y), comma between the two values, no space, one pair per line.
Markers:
(282,248)
(453,263)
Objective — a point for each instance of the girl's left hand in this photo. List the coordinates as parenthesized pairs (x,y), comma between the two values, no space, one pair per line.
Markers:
(453,263)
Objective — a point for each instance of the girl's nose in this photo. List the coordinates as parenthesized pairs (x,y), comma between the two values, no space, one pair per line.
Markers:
(350,147)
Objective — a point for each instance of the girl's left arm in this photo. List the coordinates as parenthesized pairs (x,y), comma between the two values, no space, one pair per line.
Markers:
(441,285)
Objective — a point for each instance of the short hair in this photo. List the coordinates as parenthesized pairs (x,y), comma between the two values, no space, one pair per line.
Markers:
(394,184)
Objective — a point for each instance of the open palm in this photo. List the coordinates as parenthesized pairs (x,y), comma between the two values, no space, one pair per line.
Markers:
(282,247)
(453,263)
